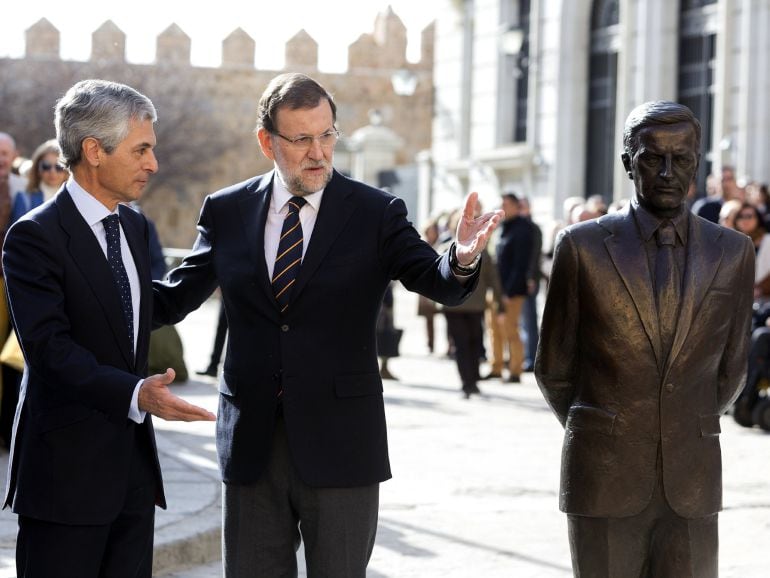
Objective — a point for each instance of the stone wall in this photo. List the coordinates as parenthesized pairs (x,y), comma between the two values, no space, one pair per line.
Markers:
(206,116)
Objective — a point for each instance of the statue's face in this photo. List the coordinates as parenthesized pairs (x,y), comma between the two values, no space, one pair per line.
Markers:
(663,166)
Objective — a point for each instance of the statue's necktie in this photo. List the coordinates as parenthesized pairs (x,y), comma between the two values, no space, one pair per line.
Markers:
(289,256)
(112,230)
(667,285)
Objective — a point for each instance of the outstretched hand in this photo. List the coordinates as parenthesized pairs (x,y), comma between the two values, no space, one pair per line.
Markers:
(156,398)
(474,232)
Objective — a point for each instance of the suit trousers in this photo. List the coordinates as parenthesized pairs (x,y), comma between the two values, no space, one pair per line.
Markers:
(468,335)
(656,543)
(264,522)
(120,549)
(511,333)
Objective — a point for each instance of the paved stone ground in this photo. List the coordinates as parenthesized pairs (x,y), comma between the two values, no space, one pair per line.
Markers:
(475,483)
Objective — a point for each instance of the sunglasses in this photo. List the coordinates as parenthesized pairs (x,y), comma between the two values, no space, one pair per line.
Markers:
(46,166)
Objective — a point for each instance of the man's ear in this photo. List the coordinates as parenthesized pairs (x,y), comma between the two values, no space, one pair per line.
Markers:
(91,150)
(626,158)
(266,143)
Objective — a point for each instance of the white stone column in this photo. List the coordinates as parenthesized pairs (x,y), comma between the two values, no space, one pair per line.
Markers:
(565,94)
(753,114)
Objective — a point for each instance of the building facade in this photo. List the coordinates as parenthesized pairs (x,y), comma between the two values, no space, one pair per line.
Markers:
(532,95)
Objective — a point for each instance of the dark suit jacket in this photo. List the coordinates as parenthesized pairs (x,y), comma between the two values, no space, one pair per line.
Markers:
(514,255)
(597,366)
(73,440)
(322,352)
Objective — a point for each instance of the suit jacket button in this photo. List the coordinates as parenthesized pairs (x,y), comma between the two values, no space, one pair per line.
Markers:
(669,387)
(284,328)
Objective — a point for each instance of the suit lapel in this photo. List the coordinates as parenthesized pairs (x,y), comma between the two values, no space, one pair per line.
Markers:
(137,242)
(334,212)
(253,208)
(704,254)
(629,256)
(89,258)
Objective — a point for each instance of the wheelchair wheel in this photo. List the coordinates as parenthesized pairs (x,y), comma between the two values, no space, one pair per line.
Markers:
(761,414)
(742,412)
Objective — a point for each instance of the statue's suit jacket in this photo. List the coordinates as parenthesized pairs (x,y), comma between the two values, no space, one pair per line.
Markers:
(322,352)
(72,439)
(599,366)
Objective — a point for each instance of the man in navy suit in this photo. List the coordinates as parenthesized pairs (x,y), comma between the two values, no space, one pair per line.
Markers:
(301,431)
(84,476)
(644,345)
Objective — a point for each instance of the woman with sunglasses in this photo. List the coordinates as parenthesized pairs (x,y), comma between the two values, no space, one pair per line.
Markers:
(748,220)
(44,179)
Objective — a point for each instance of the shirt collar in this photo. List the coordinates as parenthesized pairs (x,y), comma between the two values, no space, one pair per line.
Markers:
(649,223)
(281,196)
(87,205)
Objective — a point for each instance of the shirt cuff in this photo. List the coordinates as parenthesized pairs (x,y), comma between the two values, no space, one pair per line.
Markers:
(134,413)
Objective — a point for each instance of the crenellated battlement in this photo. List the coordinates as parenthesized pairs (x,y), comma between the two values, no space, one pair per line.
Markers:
(385,47)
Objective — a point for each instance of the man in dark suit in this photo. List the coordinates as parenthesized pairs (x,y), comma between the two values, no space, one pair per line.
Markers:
(84,476)
(643,346)
(514,256)
(303,256)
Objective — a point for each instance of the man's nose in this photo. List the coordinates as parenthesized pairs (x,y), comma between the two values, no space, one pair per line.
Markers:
(667,168)
(151,163)
(316,150)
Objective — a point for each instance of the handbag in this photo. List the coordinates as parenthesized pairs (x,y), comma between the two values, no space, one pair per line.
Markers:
(387,342)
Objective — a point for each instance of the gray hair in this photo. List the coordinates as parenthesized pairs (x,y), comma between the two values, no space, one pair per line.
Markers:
(100,109)
(656,113)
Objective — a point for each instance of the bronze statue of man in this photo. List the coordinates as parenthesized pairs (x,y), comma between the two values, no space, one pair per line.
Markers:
(643,346)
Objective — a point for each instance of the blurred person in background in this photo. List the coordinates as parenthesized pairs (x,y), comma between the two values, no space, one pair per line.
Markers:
(529,320)
(426,307)
(10,185)
(728,211)
(45,177)
(748,221)
(725,189)
(514,255)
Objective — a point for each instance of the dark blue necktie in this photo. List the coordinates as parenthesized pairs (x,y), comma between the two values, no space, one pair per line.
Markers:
(112,230)
(289,256)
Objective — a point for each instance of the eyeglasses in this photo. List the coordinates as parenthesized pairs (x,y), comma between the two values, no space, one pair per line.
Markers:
(303,143)
(45,166)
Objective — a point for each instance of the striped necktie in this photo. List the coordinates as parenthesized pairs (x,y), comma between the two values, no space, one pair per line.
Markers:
(289,256)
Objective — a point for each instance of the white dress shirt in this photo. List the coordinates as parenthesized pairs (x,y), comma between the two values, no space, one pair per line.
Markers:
(277,213)
(93,212)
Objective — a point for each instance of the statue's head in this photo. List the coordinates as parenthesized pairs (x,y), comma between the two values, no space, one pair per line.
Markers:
(661,153)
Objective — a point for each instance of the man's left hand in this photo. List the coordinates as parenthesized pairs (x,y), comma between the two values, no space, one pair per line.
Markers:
(474,232)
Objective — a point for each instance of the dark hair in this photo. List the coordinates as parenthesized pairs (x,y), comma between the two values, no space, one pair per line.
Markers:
(655,113)
(511,196)
(291,90)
